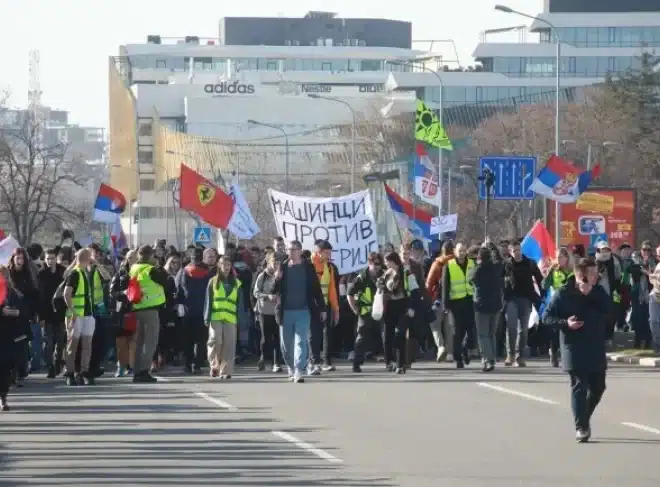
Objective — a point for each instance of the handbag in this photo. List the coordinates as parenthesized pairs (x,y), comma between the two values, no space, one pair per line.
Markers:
(378,306)
(134,292)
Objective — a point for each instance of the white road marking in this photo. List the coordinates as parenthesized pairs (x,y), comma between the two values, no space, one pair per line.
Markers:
(512,392)
(307,447)
(160,379)
(642,427)
(217,402)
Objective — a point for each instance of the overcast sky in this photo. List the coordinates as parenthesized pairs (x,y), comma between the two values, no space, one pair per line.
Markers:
(75,37)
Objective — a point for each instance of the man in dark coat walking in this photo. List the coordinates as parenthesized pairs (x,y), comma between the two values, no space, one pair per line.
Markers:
(580,311)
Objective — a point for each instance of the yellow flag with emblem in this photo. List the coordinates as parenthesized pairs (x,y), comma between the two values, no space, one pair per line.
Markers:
(428,128)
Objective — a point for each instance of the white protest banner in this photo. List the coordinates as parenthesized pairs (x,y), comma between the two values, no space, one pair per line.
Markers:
(347,222)
(7,247)
(444,224)
(242,222)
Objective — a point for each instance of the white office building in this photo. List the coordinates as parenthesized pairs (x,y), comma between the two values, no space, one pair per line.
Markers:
(596,36)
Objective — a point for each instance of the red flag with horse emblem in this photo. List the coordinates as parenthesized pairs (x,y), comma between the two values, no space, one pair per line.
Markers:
(199,195)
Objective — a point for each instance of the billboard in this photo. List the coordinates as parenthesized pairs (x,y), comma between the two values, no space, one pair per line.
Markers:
(599,214)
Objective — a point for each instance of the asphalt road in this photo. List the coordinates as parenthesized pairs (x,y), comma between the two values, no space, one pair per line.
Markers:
(433,427)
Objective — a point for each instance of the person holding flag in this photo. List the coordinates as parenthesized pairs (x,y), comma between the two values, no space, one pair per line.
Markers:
(560,271)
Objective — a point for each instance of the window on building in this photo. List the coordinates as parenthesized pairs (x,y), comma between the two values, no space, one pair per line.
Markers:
(161,64)
(571,64)
(611,36)
(147,184)
(371,65)
(145,157)
(145,128)
(151,212)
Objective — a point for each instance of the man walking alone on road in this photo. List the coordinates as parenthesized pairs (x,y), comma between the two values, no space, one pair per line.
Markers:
(580,310)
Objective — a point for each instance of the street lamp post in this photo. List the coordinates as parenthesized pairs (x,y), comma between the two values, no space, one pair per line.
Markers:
(353,131)
(286,149)
(509,10)
(440,103)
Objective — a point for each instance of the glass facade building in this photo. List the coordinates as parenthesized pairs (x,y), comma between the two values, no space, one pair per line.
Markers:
(571,66)
(182,63)
(606,36)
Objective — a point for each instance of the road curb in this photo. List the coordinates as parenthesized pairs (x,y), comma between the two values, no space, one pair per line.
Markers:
(632,360)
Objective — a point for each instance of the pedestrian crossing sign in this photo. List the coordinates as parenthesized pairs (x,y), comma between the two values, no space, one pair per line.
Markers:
(594,238)
(202,235)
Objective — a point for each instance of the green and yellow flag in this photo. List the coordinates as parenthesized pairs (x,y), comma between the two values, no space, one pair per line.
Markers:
(428,128)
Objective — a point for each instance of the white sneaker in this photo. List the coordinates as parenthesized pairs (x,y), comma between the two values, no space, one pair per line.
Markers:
(277,368)
(329,368)
(298,376)
(314,370)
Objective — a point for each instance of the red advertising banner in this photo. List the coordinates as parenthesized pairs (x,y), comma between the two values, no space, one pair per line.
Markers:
(599,214)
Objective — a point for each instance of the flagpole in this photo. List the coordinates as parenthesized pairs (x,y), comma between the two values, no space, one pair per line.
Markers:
(130,224)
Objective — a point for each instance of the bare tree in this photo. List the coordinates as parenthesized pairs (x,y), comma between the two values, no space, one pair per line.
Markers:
(40,186)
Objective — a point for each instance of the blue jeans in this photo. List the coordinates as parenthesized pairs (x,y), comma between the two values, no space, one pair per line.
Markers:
(294,338)
(36,351)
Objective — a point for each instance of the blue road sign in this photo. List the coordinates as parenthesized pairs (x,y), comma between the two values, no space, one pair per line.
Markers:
(594,238)
(513,177)
(202,235)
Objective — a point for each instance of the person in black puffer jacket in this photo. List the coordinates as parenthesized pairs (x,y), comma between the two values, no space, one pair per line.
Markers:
(119,306)
(13,336)
(24,283)
(487,280)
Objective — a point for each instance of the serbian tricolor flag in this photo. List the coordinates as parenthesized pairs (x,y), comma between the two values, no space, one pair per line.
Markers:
(538,244)
(561,181)
(109,204)
(118,237)
(416,220)
(426,179)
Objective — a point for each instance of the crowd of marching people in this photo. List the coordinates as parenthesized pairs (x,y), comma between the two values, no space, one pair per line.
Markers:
(71,311)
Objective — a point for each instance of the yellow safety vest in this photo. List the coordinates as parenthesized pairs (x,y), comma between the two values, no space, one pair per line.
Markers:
(366,297)
(459,285)
(224,308)
(559,278)
(153,294)
(97,288)
(79,295)
(324,279)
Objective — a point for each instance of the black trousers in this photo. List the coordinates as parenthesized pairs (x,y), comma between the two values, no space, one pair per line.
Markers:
(98,344)
(6,367)
(55,337)
(462,311)
(196,336)
(167,339)
(20,359)
(395,331)
(368,333)
(320,336)
(270,340)
(587,389)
